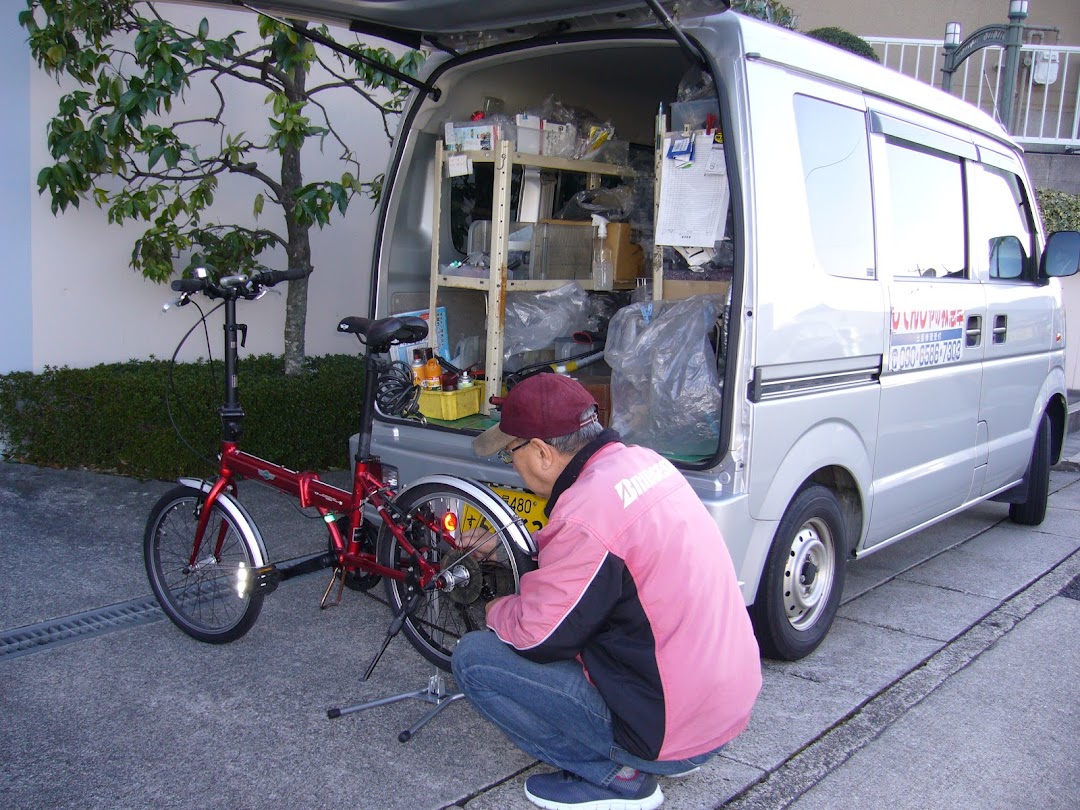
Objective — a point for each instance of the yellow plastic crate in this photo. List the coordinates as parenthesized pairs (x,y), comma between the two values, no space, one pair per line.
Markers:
(450,405)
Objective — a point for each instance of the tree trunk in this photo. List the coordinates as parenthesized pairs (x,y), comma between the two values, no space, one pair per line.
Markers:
(298,250)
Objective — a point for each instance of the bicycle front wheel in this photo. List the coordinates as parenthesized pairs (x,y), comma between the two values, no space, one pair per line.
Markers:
(488,563)
(210,600)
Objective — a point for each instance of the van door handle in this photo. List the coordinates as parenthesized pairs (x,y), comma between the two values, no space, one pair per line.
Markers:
(1001,323)
(974,331)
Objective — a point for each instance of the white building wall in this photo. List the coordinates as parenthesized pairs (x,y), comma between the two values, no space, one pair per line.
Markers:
(87,306)
(15,179)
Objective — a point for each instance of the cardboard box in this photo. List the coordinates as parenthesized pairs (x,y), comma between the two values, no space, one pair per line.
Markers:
(529,135)
(601,392)
(450,405)
(559,140)
(674,289)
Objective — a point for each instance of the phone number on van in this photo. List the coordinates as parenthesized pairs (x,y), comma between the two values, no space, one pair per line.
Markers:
(924,355)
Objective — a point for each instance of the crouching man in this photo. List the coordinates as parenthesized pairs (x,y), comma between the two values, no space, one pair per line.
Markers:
(628,653)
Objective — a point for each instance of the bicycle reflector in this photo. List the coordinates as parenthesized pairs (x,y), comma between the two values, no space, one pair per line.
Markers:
(450,522)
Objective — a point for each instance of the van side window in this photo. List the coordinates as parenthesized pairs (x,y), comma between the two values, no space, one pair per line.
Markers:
(836,171)
(1000,225)
(926,212)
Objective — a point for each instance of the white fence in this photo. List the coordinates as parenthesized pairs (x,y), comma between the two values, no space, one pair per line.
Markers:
(1048,88)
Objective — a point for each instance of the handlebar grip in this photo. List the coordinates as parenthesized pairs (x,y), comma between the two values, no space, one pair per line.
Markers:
(269,278)
(187,285)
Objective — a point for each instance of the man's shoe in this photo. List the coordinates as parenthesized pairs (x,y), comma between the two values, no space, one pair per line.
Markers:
(567,791)
(681,774)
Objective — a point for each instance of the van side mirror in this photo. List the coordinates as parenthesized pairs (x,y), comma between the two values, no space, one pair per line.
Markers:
(1007,257)
(1061,256)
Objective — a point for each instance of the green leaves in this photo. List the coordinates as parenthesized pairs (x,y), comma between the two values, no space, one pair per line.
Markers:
(126,137)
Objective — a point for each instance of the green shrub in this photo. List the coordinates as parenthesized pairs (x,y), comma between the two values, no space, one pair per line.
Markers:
(113,417)
(846,40)
(1060,210)
(769,10)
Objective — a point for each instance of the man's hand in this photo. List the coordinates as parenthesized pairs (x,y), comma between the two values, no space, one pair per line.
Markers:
(482,542)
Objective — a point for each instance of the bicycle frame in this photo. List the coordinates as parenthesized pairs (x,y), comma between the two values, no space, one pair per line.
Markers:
(368,487)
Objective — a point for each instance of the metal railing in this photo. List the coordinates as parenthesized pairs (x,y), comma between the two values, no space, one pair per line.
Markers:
(1047,101)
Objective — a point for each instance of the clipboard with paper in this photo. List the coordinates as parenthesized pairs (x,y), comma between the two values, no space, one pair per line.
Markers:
(694,195)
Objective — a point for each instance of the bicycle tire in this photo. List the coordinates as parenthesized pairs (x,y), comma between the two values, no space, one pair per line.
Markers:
(440,618)
(208,602)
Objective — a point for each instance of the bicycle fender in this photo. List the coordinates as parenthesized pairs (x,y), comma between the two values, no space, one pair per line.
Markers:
(249,532)
(512,525)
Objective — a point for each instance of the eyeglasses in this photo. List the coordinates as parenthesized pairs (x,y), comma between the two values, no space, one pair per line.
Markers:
(507,454)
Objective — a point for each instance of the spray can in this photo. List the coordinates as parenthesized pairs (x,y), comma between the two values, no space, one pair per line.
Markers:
(417,368)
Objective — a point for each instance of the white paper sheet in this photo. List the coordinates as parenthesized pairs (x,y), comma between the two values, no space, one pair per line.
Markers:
(694,196)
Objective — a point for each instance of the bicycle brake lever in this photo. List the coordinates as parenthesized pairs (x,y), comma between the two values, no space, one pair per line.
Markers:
(176,302)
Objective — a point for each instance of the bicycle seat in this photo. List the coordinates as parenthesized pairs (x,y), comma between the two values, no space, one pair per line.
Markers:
(385,331)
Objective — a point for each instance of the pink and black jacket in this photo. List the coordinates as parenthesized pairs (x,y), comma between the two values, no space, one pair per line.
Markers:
(635,581)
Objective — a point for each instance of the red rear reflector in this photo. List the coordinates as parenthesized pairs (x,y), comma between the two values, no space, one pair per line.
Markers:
(450,522)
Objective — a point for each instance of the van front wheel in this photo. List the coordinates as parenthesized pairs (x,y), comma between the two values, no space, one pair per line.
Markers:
(803,578)
(1033,510)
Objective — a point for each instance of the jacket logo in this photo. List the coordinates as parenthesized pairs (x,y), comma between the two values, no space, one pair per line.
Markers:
(630,489)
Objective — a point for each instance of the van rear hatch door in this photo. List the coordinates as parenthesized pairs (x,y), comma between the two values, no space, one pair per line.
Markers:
(464,25)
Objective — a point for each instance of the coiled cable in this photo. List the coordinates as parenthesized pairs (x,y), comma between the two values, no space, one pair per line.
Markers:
(395,393)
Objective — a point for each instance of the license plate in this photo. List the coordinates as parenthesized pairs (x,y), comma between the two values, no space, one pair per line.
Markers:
(528,506)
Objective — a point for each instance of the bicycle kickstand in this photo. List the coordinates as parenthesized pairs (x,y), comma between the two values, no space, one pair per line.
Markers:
(435,693)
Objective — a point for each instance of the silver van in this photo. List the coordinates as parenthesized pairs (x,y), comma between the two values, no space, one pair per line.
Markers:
(873,342)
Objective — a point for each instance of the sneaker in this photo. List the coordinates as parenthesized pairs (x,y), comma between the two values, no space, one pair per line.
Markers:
(681,774)
(568,791)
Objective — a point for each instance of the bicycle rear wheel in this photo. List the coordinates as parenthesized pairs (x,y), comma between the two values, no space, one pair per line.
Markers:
(492,568)
(210,600)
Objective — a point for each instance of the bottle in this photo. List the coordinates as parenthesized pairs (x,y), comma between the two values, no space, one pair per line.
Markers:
(433,375)
(603,270)
(465,380)
(417,368)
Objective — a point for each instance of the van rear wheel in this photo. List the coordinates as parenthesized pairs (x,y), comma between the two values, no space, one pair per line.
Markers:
(803,578)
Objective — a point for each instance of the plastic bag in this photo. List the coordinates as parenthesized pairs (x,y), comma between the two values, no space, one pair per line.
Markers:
(665,388)
(614,204)
(534,320)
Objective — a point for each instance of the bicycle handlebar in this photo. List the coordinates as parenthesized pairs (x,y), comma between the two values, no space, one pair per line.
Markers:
(264,278)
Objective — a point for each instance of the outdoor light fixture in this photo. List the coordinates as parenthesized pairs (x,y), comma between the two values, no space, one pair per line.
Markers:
(1018,8)
(952,35)
(1010,37)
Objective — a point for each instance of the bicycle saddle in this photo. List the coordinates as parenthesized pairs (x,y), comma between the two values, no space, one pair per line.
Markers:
(385,331)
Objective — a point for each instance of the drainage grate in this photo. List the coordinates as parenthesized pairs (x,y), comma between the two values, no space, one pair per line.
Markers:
(1072,590)
(35,637)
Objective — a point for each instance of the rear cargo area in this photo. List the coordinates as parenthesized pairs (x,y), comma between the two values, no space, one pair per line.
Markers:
(565,208)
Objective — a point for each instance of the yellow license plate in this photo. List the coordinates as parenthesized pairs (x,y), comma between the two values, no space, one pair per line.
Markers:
(528,506)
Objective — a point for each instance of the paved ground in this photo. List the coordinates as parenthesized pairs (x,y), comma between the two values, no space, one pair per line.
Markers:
(949,679)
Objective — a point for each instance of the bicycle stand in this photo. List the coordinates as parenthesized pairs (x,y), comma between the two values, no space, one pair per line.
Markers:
(435,693)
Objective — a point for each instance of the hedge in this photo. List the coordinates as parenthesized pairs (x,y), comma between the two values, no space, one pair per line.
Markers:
(846,40)
(1060,210)
(113,417)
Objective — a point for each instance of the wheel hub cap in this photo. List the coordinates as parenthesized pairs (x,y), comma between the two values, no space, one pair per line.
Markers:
(808,575)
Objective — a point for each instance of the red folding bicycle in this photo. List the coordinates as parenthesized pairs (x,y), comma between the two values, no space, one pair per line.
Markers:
(444,546)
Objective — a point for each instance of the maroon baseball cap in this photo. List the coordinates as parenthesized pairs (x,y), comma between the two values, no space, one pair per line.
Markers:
(539,407)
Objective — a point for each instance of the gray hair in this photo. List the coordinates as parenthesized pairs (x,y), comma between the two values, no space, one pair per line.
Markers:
(572,442)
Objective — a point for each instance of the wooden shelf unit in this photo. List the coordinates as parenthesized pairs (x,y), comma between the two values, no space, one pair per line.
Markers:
(496,285)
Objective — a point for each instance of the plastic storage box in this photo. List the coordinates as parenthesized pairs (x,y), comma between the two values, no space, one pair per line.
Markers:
(450,405)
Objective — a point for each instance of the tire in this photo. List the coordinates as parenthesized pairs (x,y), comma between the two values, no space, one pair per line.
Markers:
(441,617)
(791,617)
(205,603)
(1032,511)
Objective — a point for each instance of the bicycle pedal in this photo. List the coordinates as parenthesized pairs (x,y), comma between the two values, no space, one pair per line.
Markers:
(266,579)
